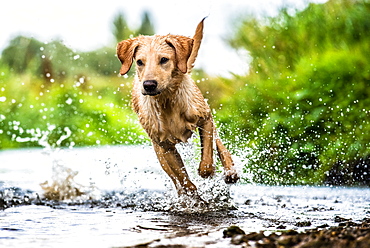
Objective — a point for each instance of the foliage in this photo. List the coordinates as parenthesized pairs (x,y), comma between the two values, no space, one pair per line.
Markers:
(146,27)
(20,53)
(51,95)
(121,31)
(91,111)
(54,60)
(304,107)
(302,113)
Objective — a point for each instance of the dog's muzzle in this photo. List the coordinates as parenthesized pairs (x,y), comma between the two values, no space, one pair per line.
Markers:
(150,88)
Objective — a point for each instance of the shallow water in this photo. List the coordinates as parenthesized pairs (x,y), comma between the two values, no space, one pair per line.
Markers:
(129,201)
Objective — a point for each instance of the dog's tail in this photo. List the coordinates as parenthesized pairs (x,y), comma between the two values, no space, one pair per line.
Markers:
(197,40)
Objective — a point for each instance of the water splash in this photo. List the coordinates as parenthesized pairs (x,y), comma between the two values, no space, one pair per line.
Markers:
(214,191)
(139,184)
(131,174)
(63,185)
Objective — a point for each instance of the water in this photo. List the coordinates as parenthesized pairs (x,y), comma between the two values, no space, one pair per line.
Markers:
(128,200)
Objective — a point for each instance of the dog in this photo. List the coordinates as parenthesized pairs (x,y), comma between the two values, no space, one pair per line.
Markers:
(170,106)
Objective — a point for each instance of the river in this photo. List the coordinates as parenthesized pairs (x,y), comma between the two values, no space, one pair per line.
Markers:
(128,201)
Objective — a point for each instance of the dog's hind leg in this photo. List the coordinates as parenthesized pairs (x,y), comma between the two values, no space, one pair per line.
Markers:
(231,175)
(172,164)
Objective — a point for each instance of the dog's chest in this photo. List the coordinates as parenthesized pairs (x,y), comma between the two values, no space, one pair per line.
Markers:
(169,122)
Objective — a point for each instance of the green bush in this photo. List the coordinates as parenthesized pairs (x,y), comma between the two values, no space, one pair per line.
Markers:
(305,106)
(95,111)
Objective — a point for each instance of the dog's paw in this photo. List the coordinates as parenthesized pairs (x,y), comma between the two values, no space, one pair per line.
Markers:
(231,176)
(206,170)
(194,201)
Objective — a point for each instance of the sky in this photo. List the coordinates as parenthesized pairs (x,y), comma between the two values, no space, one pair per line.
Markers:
(87,25)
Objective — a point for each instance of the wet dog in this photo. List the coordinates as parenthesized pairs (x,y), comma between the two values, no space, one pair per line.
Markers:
(170,106)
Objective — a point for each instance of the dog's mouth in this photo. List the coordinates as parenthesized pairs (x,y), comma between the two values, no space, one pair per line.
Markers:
(145,93)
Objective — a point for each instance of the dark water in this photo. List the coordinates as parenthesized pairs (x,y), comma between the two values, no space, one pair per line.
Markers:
(129,201)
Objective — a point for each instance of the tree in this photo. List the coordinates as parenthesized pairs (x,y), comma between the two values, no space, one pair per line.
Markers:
(146,27)
(20,53)
(121,30)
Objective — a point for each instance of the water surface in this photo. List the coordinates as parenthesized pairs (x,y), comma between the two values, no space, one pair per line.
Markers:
(130,201)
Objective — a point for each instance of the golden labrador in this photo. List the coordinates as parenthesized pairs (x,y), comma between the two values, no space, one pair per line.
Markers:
(170,106)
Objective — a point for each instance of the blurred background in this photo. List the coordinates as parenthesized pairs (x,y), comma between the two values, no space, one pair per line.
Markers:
(288,81)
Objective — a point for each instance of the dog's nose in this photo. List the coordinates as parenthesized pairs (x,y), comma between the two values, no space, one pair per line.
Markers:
(150,85)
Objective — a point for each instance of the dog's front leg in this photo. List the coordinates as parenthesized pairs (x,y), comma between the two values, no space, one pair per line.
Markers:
(172,164)
(206,166)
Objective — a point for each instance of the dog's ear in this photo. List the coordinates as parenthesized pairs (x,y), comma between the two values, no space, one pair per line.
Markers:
(183,46)
(125,52)
(198,36)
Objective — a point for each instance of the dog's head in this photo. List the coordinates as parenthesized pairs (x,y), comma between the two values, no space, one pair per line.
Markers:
(159,58)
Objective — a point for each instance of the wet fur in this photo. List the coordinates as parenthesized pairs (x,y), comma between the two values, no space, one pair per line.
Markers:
(170,106)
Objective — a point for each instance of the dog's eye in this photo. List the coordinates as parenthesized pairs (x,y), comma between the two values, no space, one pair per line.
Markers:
(163,60)
(139,62)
